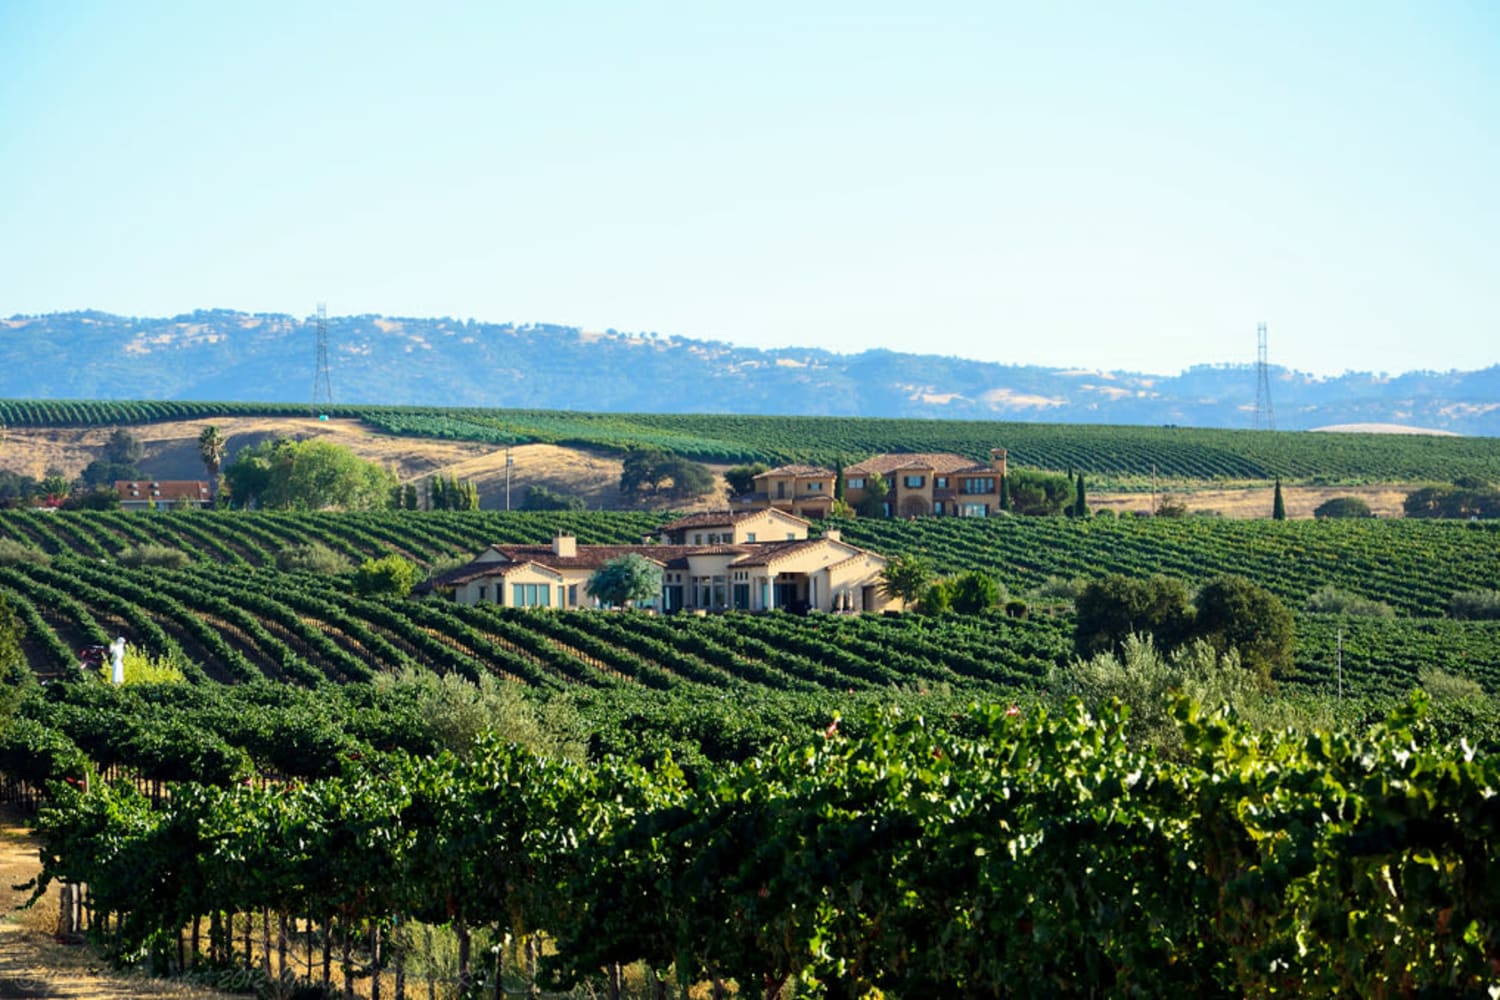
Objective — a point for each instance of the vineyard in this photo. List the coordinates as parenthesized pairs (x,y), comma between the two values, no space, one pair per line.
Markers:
(980,852)
(731,802)
(1121,454)
(233,617)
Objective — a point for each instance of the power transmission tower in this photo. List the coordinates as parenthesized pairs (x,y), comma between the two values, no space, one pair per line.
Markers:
(1265,417)
(322,386)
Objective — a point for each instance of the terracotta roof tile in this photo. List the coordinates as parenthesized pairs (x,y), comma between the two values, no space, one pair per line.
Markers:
(798,470)
(942,463)
(162,489)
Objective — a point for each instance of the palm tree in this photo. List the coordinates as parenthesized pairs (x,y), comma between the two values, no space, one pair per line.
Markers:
(211,448)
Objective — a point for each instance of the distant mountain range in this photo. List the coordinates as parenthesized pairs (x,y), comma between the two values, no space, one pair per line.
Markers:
(225,355)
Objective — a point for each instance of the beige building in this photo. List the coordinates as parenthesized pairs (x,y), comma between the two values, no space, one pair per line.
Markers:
(757,560)
(939,484)
(803,490)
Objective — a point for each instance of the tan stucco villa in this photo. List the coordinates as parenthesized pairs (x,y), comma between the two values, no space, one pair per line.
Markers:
(935,483)
(939,484)
(756,560)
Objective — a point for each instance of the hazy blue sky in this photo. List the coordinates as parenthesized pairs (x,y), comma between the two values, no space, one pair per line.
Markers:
(1114,185)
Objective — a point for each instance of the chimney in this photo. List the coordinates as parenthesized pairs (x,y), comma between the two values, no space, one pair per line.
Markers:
(834,535)
(997,461)
(565,546)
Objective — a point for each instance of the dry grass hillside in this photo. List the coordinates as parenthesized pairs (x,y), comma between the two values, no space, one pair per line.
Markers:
(172,453)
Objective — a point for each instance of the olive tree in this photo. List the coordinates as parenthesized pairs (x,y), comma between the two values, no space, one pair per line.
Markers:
(625,580)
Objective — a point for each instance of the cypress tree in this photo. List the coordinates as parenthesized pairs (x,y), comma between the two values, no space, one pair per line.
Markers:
(838,480)
(1278,505)
(1080,502)
(1005,493)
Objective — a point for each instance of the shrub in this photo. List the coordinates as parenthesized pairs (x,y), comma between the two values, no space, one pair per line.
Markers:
(1144,678)
(1058,590)
(542,498)
(937,598)
(149,554)
(388,576)
(315,557)
(1172,507)
(1329,599)
(1441,686)
(143,668)
(1343,507)
(13,552)
(974,592)
(1479,605)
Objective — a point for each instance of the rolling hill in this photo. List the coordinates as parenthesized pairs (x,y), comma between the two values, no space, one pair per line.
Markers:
(227,355)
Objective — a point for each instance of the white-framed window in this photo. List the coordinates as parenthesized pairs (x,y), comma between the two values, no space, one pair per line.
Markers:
(530,595)
(979,485)
(915,482)
(857,483)
(975,510)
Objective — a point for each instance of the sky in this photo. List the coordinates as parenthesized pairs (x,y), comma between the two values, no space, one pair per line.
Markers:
(1114,185)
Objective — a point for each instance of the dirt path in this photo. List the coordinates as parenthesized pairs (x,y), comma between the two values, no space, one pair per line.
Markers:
(32,962)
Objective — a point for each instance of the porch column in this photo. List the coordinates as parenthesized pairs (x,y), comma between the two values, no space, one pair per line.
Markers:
(771,591)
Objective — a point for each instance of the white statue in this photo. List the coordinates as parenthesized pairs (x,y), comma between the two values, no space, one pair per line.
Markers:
(117,660)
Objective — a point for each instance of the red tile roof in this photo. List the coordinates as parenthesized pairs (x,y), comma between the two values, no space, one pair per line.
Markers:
(722,519)
(798,470)
(940,462)
(161,489)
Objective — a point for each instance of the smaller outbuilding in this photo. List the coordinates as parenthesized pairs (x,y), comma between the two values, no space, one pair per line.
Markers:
(162,494)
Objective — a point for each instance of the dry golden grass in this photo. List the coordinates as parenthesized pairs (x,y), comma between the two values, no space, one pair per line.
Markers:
(1255,500)
(171,452)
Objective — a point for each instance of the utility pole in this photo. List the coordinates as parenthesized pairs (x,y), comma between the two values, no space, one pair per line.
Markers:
(508,463)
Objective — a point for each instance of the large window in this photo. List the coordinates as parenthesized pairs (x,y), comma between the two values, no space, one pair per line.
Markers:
(941,482)
(979,485)
(856,483)
(914,482)
(975,510)
(531,595)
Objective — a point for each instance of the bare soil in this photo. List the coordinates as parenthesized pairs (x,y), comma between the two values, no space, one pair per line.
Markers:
(34,963)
